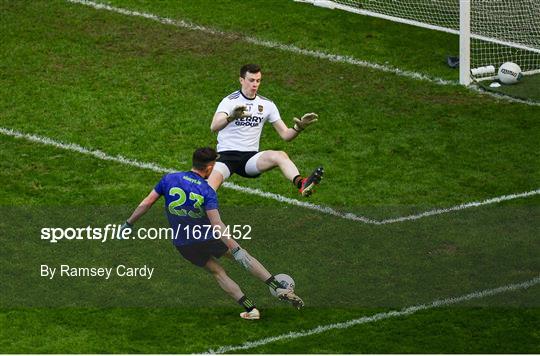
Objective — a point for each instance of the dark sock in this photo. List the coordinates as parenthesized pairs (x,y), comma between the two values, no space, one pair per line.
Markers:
(273,283)
(246,303)
(297,181)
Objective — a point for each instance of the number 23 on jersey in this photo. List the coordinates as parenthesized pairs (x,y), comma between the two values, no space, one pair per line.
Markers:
(197,199)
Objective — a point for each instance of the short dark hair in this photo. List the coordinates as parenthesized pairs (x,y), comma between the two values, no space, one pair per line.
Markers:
(202,157)
(251,68)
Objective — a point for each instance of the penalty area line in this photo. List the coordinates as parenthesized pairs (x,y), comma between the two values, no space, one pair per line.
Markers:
(377,317)
(268,44)
(253,191)
(79,149)
(157,168)
(463,206)
(293,49)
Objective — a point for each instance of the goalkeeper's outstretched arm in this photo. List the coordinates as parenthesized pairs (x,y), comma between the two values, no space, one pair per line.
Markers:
(219,121)
(289,134)
(222,119)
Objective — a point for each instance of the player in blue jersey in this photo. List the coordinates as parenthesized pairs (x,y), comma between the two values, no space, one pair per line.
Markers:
(192,210)
(239,120)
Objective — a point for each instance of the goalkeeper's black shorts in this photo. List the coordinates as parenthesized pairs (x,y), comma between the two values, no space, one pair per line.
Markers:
(236,162)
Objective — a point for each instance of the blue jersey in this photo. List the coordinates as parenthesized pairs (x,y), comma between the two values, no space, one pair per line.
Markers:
(187,197)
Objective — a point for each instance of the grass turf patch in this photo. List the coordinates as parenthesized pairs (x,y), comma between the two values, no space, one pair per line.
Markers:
(392,145)
(144,89)
(177,330)
(527,89)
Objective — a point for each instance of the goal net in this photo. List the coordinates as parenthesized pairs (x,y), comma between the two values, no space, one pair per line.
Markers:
(496,31)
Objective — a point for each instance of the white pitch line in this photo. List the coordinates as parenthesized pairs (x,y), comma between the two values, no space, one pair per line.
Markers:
(157,168)
(323,209)
(473,204)
(268,44)
(501,96)
(377,317)
(76,148)
(297,50)
(317,54)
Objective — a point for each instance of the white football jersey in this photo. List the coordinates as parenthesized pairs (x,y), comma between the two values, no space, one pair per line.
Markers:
(244,134)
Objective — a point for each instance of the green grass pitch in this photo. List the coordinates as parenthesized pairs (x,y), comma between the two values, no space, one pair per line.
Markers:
(391,146)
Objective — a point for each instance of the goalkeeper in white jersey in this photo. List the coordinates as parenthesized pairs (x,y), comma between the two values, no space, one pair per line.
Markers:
(239,121)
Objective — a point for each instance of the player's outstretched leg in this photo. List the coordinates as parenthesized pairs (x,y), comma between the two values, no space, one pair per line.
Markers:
(307,185)
(285,293)
(289,296)
(253,314)
(231,288)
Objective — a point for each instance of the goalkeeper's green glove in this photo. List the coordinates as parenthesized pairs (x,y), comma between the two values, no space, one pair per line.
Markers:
(305,121)
(242,256)
(238,112)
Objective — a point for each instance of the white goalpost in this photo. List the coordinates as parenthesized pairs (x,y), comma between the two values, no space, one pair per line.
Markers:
(490,32)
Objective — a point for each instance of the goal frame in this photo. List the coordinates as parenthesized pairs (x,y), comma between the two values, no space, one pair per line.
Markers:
(464,33)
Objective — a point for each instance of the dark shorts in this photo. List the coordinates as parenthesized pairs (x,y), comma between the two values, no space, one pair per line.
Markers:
(236,161)
(200,253)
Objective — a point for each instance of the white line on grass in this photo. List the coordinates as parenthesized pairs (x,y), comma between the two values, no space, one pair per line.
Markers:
(460,207)
(268,44)
(381,316)
(323,209)
(501,96)
(76,148)
(157,168)
(297,50)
